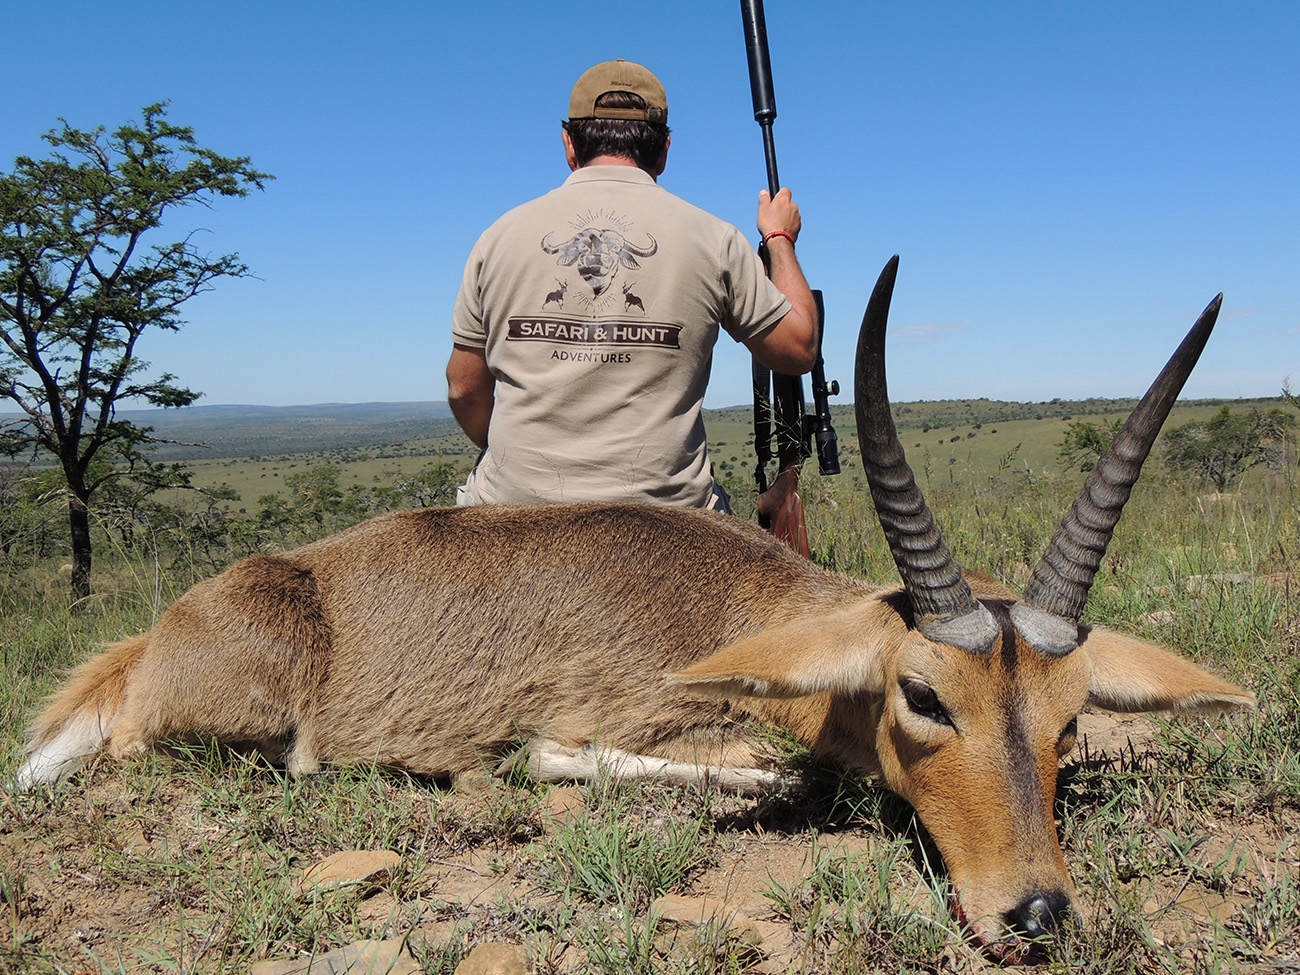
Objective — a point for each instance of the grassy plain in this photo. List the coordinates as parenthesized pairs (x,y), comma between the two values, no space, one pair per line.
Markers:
(1183,835)
(970,435)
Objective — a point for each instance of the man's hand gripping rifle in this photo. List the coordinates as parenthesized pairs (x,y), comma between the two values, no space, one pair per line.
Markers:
(779,398)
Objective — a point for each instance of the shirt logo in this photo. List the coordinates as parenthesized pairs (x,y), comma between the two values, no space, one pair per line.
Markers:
(598,254)
(634,334)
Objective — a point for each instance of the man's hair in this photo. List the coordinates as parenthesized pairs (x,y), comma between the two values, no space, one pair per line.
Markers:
(642,142)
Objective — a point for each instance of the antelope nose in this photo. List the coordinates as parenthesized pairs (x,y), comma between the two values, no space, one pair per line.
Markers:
(1039,915)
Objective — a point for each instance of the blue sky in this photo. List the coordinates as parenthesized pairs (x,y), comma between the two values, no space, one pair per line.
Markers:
(1067,184)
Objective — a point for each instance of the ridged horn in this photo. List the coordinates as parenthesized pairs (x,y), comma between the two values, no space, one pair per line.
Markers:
(1048,615)
(944,608)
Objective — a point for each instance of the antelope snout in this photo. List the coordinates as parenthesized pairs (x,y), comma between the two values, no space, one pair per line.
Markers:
(1039,915)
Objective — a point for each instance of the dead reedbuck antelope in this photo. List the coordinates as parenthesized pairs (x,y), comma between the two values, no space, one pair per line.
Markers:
(434,640)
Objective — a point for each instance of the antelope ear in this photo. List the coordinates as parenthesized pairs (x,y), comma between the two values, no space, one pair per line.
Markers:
(839,651)
(1129,674)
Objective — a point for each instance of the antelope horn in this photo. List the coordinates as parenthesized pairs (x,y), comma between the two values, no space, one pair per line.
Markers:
(1048,615)
(942,603)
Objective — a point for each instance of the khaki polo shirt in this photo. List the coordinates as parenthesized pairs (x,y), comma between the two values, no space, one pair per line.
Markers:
(598,306)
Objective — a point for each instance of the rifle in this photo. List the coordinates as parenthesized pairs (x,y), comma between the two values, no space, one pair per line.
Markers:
(778,398)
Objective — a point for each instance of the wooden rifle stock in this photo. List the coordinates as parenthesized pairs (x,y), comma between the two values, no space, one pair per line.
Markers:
(780,509)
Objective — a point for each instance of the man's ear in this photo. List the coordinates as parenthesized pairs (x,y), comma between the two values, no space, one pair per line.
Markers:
(1130,674)
(570,156)
(841,651)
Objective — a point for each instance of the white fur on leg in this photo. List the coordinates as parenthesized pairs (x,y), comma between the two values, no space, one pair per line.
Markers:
(302,758)
(547,761)
(64,754)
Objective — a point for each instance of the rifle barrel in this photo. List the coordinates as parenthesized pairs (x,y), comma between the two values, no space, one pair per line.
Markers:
(769,150)
(779,399)
(760,65)
(760,83)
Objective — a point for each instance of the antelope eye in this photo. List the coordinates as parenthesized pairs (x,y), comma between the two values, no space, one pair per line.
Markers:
(922,700)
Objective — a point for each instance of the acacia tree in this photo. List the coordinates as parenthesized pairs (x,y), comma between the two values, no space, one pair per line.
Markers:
(1085,442)
(1228,444)
(79,286)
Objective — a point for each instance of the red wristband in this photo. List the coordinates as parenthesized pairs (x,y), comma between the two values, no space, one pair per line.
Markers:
(778,233)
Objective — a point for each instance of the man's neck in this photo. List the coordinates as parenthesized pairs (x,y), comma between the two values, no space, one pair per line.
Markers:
(611,161)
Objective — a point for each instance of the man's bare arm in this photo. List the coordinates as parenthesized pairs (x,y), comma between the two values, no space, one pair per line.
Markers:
(789,346)
(470,389)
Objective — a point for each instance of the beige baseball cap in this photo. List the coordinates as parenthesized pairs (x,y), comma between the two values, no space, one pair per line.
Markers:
(618,75)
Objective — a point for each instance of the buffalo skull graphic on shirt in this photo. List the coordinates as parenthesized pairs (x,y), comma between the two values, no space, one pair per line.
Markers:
(598,255)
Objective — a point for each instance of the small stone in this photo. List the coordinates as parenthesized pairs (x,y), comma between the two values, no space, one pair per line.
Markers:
(368,957)
(494,958)
(359,868)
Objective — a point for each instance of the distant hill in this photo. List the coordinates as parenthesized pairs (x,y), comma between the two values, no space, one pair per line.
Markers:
(240,431)
(927,414)
(211,433)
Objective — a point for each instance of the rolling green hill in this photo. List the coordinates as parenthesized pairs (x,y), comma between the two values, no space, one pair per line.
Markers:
(252,449)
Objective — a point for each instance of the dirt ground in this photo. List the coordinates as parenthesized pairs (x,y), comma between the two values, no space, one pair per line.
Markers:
(149,871)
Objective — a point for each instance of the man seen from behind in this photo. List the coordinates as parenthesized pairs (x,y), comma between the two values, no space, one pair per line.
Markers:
(584,328)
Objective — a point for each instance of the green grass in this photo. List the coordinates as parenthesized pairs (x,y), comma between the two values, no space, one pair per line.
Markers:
(625,851)
(874,907)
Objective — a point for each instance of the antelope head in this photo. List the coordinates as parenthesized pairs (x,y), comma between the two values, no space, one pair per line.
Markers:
(981,696)
(963,697)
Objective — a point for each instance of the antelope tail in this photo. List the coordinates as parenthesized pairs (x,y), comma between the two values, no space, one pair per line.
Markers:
(78,720)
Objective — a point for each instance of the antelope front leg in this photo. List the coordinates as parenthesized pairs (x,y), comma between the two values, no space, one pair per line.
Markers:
(548,761)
